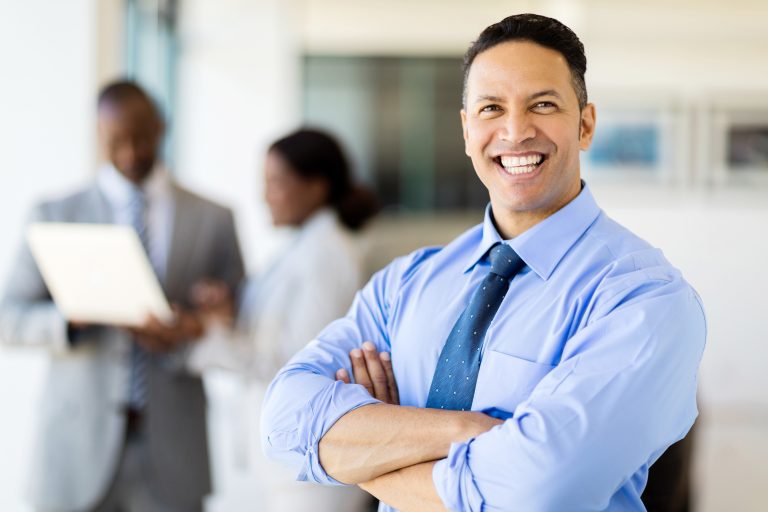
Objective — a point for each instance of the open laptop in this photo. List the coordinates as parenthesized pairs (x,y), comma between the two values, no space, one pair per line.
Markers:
(97,273)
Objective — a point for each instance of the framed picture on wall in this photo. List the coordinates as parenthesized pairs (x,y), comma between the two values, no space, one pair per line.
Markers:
(637,141)
(737,145)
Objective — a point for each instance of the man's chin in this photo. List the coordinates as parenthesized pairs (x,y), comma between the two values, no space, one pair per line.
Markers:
(136,175)
(520,200)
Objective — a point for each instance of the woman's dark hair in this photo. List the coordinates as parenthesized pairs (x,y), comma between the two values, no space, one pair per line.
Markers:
(316,154)
(547,32)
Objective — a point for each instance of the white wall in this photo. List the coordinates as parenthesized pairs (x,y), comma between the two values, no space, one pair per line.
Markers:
(239,91)
(51,68)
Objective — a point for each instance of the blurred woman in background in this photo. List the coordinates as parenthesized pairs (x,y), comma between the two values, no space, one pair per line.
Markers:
(308,186)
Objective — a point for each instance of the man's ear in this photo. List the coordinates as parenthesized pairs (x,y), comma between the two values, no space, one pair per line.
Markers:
(161,127)
(587,127)
(463,114)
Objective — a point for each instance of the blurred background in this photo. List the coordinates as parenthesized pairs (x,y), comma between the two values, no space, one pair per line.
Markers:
(680,156)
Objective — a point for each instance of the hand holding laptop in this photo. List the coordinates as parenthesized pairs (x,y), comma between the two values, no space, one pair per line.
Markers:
(159,336)
(100,275)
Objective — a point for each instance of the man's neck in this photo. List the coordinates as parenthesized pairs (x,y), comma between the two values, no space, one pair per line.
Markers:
(511,223)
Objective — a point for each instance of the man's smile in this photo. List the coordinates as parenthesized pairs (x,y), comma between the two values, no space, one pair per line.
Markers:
(521,164)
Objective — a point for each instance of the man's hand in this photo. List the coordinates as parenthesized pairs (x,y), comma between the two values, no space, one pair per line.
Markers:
(372,370)
(214,302)
(157,336)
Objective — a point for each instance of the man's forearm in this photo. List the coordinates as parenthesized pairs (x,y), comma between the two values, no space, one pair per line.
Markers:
(408,489)
(380,438)
(33,323)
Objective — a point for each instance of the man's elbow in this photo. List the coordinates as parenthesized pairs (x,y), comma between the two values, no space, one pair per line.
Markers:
(280,441)
(283,437)
(274,422)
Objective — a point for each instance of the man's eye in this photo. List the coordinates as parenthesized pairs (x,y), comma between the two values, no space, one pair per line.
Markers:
(490,108)
(544,105)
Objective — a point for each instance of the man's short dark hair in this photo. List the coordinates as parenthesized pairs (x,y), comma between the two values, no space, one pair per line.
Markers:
(547,32)
(120,91)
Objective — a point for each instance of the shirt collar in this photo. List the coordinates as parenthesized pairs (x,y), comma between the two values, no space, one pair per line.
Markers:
(120,191)
(544,245)
(318,221)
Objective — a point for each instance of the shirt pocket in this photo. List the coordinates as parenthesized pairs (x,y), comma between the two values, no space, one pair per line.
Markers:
(505,381)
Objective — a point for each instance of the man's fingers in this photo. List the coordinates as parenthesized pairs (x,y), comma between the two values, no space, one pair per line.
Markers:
(343,375)
(183,326)
(189,326)
(152,328)
(151,344)
(360,371)
(386,362)
(210,293)
(376,372)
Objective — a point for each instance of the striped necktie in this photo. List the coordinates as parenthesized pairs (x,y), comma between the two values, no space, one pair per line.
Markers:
(138,390)
(453,385)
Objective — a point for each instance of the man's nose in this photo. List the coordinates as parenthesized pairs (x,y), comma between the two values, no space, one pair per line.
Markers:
(518,127)
(128,153)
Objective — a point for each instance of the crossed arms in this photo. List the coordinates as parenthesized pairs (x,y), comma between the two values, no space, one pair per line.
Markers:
(390,451)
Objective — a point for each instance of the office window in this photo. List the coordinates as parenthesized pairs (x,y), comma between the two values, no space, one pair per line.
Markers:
(398,118)
(151,54)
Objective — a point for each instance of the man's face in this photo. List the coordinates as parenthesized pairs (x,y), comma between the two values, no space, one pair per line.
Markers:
(129,134)
(523,130)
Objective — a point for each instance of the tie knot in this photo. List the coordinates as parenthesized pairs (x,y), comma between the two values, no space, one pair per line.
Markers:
(505,261)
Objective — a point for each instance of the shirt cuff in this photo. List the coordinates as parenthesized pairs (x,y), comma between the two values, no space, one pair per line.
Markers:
(454,481)
(313,421)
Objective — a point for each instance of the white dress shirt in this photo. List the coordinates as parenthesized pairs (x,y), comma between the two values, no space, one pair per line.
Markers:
(312,283)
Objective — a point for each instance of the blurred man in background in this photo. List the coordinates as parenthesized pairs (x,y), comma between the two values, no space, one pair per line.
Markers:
(123,423)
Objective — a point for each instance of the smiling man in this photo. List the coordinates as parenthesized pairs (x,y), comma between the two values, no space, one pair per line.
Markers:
(543,360)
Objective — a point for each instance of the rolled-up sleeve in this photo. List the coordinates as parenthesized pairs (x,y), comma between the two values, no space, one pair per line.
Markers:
(625,389)
(301,407)
(304,400)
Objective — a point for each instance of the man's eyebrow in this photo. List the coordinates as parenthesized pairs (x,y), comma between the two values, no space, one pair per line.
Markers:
(548,92)
(488,97)
(539,94)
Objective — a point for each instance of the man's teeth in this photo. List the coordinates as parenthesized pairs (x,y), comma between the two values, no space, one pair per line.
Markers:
(521,164)
(521,161)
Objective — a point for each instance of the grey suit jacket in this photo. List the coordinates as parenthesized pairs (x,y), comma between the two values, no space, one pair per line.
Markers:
(82,427)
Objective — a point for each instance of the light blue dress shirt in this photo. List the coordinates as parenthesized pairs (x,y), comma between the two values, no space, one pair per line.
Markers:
(592,359)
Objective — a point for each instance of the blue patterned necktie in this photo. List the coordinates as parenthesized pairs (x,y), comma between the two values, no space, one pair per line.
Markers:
(453,385)
(138,389)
